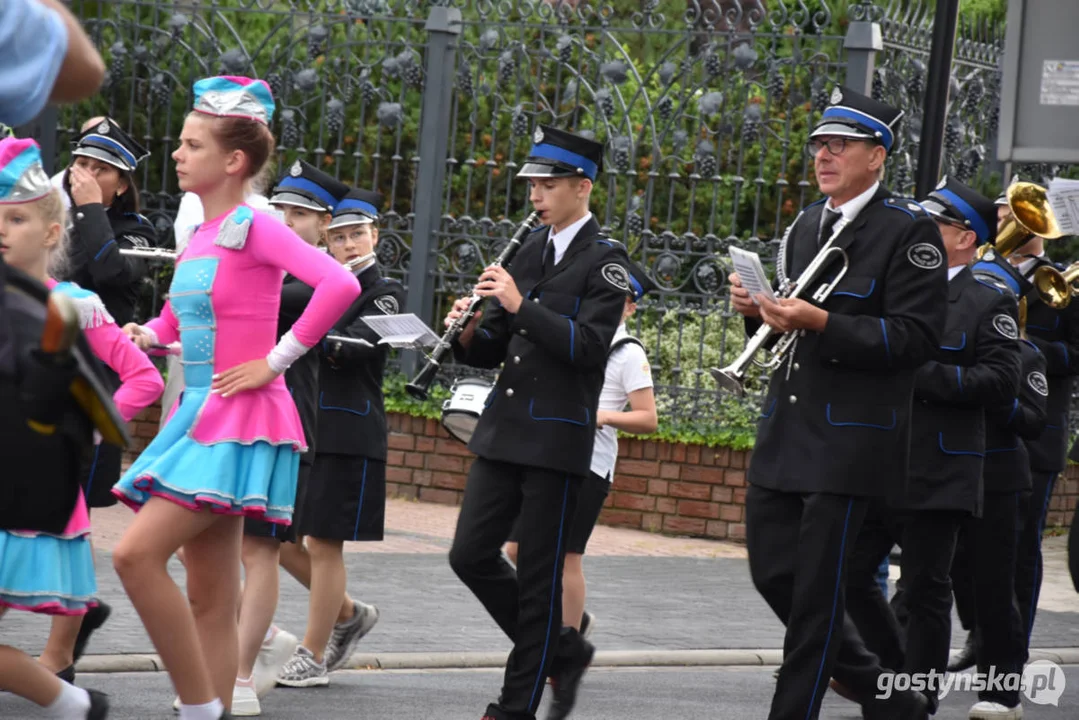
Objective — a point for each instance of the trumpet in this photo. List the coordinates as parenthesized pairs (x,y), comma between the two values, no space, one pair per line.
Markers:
(732,378)
(1056,288)
(421,384)
(152,253)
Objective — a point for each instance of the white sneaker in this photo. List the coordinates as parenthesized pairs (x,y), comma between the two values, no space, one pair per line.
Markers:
(986,710)
(245,703)
(272,656)
(176,704)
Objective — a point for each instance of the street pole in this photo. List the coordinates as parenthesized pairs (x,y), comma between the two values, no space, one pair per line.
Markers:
(935,114)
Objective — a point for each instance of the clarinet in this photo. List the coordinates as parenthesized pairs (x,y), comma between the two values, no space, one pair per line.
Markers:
(421,384)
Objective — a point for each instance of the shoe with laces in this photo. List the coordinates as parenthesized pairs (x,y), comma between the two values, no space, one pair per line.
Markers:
(346,635)
(303,671)
(272,657)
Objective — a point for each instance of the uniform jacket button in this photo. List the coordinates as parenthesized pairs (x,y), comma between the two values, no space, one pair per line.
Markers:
(79,216)
(523,331)
(793,399)
(797,366)
(509,392)
(535,299)
(516,359)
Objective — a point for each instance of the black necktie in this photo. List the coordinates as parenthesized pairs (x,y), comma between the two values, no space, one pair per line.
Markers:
(830,219)
(548,256)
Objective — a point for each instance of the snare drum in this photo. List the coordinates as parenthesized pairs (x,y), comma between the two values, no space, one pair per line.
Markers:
(462,411)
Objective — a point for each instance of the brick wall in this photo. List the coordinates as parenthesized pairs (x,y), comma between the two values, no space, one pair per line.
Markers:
(672,488)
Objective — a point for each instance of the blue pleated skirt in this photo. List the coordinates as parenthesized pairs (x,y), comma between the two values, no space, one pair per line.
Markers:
(46,574)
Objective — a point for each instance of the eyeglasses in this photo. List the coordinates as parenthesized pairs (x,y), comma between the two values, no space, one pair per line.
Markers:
(835,145)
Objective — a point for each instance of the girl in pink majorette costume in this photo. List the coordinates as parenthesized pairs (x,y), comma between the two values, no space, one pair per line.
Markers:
(231,447)
(40,572)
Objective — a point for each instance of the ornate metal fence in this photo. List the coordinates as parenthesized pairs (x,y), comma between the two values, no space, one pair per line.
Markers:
(705,108)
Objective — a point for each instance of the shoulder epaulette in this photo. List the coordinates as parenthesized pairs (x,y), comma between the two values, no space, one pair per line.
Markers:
(993,284)
(92,311)
(816,202)
(609,242)
(1036,349)
(233,231)
(910,207)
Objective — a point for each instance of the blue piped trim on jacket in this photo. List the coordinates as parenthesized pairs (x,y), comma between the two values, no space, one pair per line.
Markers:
(828,416)
(851,293)
(587,416)
(323,406)
(940,442)
(962,344)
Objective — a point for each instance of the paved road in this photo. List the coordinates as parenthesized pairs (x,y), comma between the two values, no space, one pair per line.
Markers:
(707,694)
(641,603)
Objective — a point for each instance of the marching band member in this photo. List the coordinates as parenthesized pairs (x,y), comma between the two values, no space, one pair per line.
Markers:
(975,369)
(307,197)
(1056,333)
(345,496)
(140,385)
(47,571)
(99,190)
(983,571)
(105,217)
(627,379)
(558,308)
(231,447)
(834,433)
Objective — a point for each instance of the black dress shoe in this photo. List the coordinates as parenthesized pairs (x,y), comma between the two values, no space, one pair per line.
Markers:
(94,618)
(900,705)
(99,705)
(967,657)
(67,674)
(570,671)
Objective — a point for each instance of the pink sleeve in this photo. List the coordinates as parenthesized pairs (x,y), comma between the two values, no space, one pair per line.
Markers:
(335,287)
(140,382)
(166,325)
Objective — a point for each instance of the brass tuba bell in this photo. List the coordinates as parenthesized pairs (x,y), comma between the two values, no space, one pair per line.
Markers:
(1031,214)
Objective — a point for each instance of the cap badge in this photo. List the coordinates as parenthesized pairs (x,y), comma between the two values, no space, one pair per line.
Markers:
(837,96)
(103,128)
(296,170)
(537,136)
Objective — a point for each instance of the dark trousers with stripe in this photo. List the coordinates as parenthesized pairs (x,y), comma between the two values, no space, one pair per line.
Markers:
(928,539)
(526,603)
(983,574)
(799,546)
(1028,558)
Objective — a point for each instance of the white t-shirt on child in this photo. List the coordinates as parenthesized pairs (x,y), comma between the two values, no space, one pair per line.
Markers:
(627,371)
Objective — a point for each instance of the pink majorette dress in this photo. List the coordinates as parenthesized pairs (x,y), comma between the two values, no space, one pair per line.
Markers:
(54,574)
(238,454)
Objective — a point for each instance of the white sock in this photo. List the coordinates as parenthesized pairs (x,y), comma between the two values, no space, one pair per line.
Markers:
(210,711)
(73,702)
(269,634)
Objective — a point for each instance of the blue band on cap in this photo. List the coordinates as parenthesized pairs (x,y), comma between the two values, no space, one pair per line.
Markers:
(1000,273)
(353,204)
(638,291)
(977,222)
(310,187)
(862,118)
(111,144)
(553,152)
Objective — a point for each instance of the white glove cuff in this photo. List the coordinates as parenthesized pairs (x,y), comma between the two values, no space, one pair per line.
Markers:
(287,351)
(150,333)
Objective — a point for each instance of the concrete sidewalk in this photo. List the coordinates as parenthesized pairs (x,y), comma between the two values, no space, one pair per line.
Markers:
(657,600)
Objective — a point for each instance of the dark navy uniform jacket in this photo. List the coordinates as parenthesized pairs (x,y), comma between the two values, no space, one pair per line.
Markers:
(837,416)
(96,262)
(542,411)
(975,368)
(1056,333)
(351,411)
(1011,425)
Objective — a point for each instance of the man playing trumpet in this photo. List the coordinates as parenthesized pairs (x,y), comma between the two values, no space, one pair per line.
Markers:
(836,422)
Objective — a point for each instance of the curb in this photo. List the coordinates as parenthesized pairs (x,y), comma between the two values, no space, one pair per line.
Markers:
(478,660)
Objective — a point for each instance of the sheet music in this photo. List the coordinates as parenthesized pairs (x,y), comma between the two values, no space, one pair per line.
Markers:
(748,266)
(402,331)
(1064,199)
